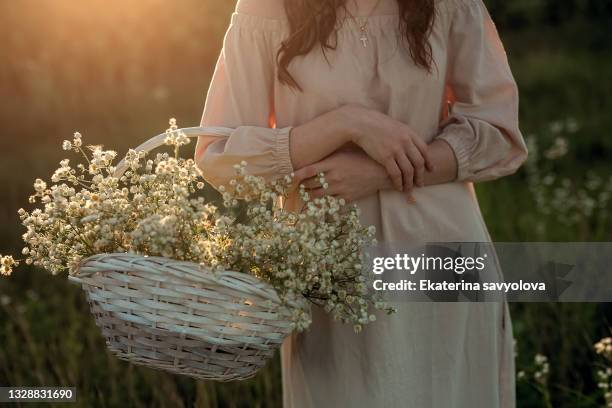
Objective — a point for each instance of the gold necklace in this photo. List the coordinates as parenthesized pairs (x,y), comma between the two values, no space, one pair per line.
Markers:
(363,28)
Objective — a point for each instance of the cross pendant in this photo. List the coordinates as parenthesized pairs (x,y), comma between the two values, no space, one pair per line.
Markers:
(364,40)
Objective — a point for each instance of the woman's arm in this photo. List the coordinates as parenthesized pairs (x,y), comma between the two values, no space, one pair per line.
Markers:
(390,143)
(239,97)
(483,124)
(274,152)
(351,174)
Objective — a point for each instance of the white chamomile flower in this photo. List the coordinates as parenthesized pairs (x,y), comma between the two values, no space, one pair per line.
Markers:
(154,209)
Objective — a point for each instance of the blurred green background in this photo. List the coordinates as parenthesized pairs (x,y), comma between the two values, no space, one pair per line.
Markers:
(117,70)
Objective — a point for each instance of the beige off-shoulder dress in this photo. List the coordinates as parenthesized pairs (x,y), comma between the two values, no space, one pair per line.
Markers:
(428,354)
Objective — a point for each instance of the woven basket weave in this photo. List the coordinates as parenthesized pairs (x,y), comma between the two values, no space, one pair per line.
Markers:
(180,317)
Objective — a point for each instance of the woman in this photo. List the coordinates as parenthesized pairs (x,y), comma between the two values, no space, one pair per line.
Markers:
(403,104)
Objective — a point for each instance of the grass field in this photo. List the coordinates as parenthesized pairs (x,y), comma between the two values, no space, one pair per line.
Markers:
(118,73)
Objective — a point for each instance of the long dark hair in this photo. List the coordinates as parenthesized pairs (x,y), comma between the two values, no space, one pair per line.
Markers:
(313,22)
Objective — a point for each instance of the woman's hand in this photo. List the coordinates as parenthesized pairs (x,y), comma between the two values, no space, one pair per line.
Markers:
(391,143)
(349,174)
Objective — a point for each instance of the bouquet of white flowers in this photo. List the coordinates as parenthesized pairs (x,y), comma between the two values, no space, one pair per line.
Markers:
(144,244)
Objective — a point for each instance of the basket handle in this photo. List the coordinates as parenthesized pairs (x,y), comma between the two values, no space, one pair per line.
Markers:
(156,141)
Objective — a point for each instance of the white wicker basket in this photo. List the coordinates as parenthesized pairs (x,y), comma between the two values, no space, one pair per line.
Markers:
(180,317)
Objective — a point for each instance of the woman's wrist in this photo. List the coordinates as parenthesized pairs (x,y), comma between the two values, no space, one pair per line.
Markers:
(445,162)
(316,139)
(349,120)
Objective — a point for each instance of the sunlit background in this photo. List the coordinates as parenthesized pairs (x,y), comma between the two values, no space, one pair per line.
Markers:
(117,70)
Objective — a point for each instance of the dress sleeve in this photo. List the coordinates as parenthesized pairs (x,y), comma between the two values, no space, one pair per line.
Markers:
(240,96)
(482,124)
